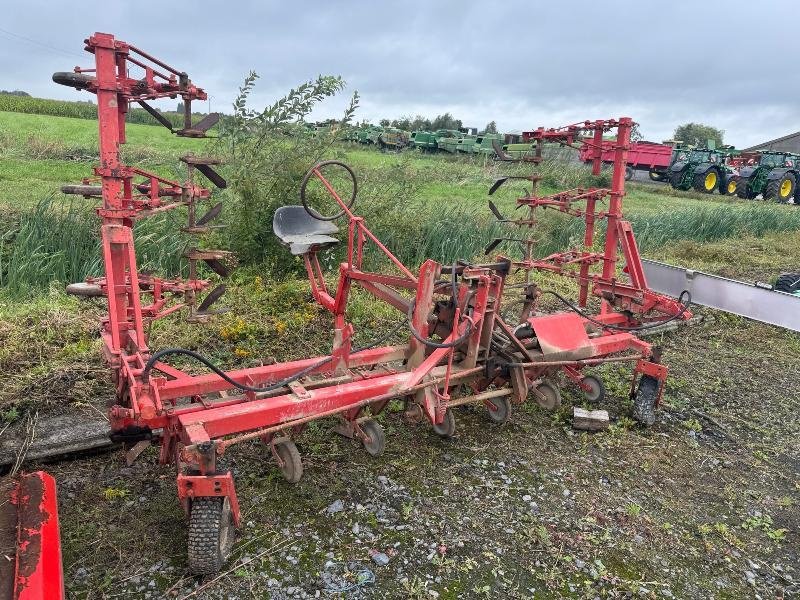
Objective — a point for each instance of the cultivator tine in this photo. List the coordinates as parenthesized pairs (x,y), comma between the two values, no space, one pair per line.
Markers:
(496,185)
(212,298)
(501,154)
(492,245)
(212,214)
(212,176)
(206,122)
(157,115)
(219,267)
(496,212)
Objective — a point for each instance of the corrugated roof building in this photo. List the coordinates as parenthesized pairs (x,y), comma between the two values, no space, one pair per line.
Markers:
(787,143)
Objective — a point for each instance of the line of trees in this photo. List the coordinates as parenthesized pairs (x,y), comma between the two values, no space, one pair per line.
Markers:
(444,121)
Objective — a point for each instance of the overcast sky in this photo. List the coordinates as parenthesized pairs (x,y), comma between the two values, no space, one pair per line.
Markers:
(523,64)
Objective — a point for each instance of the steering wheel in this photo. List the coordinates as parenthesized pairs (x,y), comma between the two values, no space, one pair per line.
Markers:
(316,171)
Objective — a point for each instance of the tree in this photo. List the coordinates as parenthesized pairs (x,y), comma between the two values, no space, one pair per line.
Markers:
(491,127)
(698,134)
(384,122)
(446,121)
(180,108)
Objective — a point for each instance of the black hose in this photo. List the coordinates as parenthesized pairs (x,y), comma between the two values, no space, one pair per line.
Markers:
(685,304)
(273,386)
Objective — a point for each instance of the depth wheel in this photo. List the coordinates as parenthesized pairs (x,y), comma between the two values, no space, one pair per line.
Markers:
(501,411)
(644,402)
(211,534)
(376,443)
(292,468)
(552,397)
(598,392)
(446,428)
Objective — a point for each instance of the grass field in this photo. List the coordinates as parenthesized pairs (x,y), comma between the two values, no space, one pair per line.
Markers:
(705,504)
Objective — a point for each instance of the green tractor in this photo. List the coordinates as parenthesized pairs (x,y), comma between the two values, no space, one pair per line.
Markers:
(703,169)
(775,177)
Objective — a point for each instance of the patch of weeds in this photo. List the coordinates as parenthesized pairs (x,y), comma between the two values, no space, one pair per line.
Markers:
(633,510)
(112,493)
(692,425)
(764,523)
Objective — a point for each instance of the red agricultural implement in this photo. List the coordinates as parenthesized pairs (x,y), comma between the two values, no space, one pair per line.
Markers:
(30,549)
(457,347)
(642,156)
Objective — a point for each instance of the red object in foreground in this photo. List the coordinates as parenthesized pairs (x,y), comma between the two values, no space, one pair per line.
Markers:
(29,519)
(459,346)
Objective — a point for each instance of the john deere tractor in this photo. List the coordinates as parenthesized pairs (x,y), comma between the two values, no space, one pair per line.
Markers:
(700,168)
(775,177)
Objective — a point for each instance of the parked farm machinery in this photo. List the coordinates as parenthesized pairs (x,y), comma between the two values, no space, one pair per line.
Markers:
(706,170)
(457,343)
(775,176)
(642,156)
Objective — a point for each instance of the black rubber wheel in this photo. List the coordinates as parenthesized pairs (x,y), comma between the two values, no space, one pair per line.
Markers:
(308,177)
(729,189)
(707,181)
(644,402)
(598,392)
(292,468)
(79,81)
(211,534)
(742,189)
(446,428)
(788,282)
(552,396)
(675,179)
(628,173)
(502,410)
(781,190)
(656,176)
(377,438)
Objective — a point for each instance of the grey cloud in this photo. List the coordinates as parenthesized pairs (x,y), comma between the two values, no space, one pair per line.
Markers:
(523,64)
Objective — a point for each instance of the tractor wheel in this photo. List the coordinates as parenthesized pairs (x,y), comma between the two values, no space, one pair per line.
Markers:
(598,391)
(644,403)
(656,176)
(501,411)
(377,439)
(742,189)
(730,185)
(628,173)
(292,468)
(552,397)
(675,179)
(788,282)
(781,190)
(706,182)
(211,534)
(446,428)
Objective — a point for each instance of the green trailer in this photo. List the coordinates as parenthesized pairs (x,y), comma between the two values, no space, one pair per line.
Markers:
(424,140)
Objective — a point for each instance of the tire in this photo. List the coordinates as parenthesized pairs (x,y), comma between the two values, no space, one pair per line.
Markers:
(781,190)
(788,282)
(292,469)
(729,188)
(502,412)
(446,428)
(644,402)
(628,173)
(706,182)
(742,190)
(211,534)
(675,178)
(79,81)
(553,396)
(598,391)
(377,438)
(656,176)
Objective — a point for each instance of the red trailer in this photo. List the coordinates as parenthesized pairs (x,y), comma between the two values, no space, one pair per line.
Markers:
(642,156)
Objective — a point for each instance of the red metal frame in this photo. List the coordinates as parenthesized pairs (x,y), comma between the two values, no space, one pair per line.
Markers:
(199,417)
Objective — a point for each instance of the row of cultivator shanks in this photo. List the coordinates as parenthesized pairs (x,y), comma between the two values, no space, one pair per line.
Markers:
(456,346)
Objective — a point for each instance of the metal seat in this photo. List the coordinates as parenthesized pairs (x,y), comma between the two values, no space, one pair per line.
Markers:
(300,232)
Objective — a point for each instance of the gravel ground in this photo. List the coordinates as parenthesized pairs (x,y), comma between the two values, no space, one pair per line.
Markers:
(703,505)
